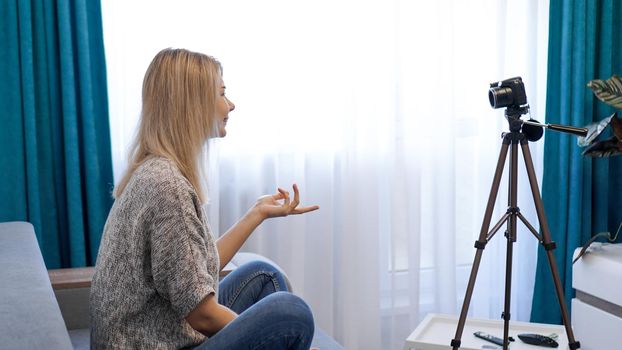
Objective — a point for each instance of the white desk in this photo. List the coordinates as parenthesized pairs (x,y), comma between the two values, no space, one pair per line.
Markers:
(436,331)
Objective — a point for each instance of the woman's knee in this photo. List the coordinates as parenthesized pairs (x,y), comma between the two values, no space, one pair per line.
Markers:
(274,272)
(291,309)
(260,265)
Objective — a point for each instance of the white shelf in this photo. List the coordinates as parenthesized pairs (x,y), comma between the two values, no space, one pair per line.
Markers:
(436,331)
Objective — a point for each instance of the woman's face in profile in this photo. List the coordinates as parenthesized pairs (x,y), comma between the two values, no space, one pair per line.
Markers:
(223,107)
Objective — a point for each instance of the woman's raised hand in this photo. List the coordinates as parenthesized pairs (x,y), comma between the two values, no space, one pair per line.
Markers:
(280,204)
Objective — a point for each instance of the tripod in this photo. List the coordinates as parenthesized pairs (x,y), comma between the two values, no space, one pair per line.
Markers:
(510,142)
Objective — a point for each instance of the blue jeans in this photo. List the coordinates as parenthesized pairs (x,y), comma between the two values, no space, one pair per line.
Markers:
(269,316)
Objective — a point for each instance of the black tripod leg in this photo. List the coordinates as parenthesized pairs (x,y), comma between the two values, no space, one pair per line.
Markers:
(481,243)
(548,244)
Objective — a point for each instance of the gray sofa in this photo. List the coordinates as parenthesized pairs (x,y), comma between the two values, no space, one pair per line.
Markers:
(41,309)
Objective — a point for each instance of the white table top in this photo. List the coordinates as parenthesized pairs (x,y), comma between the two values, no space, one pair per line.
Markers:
(436,331)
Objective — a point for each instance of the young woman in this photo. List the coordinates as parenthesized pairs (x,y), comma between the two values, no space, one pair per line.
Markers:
(156,283)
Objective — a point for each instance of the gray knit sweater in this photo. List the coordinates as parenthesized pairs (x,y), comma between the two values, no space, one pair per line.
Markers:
(157,260)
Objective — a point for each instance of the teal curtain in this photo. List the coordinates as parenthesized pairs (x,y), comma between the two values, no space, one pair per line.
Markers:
(55,161)
(581,195)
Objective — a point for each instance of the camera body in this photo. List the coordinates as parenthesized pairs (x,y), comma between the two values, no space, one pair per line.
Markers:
(507,93)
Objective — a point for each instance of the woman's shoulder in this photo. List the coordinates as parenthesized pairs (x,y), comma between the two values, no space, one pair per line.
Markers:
(159,175)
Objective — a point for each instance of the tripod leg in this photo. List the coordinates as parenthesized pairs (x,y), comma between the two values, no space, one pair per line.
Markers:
(480,244)
(511,238)
(548,244)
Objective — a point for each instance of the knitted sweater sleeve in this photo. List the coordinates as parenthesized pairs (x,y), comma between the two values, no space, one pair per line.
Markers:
(179,249)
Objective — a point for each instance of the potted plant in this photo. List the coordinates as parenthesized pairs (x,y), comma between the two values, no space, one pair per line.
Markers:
(610,92)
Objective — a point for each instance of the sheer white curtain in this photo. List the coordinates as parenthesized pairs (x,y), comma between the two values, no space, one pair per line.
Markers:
(378,110)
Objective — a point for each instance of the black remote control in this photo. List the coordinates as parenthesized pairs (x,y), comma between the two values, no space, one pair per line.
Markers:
(538,339)
(488,337)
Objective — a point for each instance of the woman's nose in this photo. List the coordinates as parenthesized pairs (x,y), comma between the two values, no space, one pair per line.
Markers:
(231,105)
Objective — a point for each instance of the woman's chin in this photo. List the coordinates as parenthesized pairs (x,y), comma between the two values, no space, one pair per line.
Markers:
(216,134)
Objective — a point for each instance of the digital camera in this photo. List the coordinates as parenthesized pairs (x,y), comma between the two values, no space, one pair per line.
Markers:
(507,93)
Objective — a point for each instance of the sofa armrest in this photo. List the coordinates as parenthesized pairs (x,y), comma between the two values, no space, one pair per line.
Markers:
(79,277)
(72,289)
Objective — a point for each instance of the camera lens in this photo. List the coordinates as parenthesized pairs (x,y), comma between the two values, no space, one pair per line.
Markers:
(500,97)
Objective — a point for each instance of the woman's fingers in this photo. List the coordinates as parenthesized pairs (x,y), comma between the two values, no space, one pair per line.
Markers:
(303,210)
(296,201)
(278,196)
(294,204)
(285,196)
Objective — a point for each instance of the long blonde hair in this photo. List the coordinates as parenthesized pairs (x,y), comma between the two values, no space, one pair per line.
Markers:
(179,95)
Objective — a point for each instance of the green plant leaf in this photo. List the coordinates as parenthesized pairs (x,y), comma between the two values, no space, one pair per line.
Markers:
(608,91)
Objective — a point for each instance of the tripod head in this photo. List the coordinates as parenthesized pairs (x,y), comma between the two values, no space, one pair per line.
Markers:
(510,93)
(532,129)
(513,115)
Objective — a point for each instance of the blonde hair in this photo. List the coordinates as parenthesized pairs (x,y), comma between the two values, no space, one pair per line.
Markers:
(179,94)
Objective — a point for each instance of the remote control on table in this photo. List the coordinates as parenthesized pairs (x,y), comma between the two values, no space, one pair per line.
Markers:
(538,339)
(488,337)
